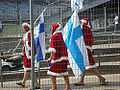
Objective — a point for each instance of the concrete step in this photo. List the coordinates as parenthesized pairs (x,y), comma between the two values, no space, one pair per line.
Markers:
(107,38)
(102,49)
(106,51)
(106,41)
(15,76)
(108,29)
(107,35)
(107,58)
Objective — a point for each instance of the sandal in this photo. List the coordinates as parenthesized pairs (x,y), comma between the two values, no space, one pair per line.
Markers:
(102,81)
(37,87)
(52,89)
(21,84)
(79,84)
(68,89)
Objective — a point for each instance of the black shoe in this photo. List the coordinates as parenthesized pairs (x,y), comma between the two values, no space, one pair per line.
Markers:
(79,84)
(21,84)
(36,88)
(103,81)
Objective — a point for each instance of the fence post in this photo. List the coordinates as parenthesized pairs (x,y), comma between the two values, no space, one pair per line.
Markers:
(118,8)
(39,75)
(105,18)
(32,45)
(1,79)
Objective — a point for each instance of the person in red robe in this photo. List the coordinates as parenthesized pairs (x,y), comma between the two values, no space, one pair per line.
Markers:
(58,60)
(89,40)
(26,53)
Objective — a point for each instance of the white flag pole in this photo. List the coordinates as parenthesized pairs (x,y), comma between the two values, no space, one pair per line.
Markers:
(39,16)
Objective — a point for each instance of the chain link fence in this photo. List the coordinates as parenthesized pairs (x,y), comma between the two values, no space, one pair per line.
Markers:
(106,49)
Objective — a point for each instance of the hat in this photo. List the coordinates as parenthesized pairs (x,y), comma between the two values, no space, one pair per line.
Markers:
(85,20)
(26,25)
(54,26)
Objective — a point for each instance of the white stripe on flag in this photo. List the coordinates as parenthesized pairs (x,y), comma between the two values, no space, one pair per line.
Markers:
(42,44)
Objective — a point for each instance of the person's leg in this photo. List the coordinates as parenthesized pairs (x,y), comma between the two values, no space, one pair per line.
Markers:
(26,76)
(82,78)
(54,85)
(81,82)
(67,83)
(97,73)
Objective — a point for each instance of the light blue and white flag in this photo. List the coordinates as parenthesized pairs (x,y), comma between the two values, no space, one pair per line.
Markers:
(39,37)
(74,40)
(76,5)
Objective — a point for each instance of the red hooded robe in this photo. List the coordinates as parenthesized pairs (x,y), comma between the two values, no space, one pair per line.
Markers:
(59,58)
(26,47)
(88,37)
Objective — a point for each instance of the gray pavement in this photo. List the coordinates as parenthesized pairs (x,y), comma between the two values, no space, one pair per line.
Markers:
(91,83)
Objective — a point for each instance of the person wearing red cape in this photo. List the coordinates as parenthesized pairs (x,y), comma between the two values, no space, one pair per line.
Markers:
(89,40)
(58,60)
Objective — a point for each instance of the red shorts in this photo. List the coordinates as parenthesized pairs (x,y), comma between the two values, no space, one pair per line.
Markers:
(26,62)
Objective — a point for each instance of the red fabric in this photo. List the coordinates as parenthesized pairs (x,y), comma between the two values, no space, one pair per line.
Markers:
(54,26)
(88,37)
(26,61)
(59,67)
(58,44)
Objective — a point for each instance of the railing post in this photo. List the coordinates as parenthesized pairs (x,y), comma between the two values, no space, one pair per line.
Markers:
(105,19)
(1,77)
(32,45)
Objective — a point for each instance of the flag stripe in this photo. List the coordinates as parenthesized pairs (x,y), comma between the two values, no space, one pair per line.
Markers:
(76,70)
(74,49)
(41,28)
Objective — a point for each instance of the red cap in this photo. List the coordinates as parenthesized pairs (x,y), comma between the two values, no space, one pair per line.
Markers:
(54,26)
